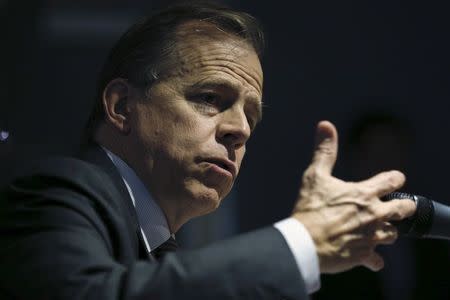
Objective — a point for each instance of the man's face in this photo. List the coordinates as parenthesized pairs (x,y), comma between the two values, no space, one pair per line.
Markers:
(190,133)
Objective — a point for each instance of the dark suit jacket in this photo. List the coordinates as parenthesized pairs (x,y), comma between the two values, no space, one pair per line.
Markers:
(68,230)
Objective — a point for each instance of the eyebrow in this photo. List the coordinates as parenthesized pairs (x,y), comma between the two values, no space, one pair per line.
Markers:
(216,83)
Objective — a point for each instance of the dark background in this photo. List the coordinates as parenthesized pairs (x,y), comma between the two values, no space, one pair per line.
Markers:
(334,60)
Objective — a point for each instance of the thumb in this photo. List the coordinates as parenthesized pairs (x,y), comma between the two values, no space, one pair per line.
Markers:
(326,148)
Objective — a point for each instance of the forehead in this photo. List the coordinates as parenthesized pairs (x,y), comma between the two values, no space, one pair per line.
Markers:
(202,49)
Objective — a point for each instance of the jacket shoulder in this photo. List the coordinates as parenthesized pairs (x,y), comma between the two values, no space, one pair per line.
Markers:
(65,172)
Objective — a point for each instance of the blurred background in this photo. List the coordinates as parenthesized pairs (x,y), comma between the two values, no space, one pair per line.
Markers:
(380,70)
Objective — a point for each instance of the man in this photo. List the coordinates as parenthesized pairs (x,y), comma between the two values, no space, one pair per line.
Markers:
(179,97)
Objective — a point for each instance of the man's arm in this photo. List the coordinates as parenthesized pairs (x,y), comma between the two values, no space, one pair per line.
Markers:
(57,241)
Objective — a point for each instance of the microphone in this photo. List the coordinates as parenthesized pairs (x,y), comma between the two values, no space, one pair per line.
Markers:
(431,219)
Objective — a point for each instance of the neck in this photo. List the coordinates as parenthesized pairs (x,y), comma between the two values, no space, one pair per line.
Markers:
(174,211)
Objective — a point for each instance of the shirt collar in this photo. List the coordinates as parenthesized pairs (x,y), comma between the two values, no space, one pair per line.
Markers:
(151,217)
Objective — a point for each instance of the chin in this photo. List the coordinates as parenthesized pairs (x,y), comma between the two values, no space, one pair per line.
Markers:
(204,199)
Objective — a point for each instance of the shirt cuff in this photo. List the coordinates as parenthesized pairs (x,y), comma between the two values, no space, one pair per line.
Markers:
(302,246)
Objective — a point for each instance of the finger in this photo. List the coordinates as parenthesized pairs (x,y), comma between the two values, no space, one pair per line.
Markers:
(354,222)
(385,234)
(326,148)
(373,261)
(385,183)
(395,210)
(376,233)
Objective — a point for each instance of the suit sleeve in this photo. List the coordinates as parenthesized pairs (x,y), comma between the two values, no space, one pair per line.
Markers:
(56,244)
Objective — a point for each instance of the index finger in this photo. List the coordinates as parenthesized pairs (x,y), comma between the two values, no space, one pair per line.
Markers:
(325,152)
(384,183)
(397,209)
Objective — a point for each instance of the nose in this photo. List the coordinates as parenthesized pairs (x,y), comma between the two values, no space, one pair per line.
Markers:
(233,129)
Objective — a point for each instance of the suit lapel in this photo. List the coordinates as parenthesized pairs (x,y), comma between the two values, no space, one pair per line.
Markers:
(94,154)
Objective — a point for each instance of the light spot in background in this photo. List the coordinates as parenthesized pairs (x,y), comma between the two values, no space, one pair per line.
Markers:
(3,135)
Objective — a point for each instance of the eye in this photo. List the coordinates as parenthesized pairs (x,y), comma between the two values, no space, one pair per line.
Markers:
(208,98)
(206,102)
(252,115)
(251,122)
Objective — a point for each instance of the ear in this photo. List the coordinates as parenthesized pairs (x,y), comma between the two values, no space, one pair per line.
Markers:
(116,104)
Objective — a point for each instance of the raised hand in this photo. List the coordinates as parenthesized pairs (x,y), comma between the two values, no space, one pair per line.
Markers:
(347,220)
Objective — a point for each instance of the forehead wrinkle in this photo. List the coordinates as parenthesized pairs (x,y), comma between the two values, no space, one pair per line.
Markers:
(232,68)
(194,56)
(249,49)
(248,87)
(231,59)
(250,78)
(213,81)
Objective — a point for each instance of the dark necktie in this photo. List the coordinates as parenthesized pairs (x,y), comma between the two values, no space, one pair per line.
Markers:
(168,246)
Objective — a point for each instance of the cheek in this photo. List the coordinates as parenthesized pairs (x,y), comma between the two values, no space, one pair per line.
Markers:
(191,131)
(182,137)
(175,133)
